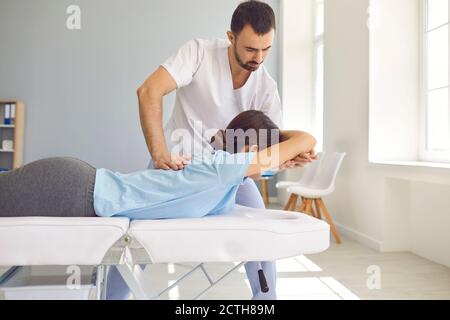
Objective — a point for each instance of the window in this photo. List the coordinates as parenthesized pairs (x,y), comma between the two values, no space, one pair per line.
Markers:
(318,71)
(435,119)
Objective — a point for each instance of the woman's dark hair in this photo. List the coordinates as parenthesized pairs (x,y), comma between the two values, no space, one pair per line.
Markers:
(256,13)
(250,127)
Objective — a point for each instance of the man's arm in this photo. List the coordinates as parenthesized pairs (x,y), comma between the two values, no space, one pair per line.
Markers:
(150,95)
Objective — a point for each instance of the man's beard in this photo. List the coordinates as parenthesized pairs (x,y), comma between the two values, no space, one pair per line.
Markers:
(249,66)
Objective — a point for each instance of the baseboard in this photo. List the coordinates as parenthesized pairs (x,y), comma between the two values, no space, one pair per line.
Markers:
(348,232)
(358,237)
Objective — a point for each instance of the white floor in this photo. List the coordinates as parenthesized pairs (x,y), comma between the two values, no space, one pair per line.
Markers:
(343,272)
(346,271)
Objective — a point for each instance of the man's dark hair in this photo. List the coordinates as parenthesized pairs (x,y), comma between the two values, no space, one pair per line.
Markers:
(257,14)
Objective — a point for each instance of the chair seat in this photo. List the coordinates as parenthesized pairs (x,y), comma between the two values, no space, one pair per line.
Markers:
(308,192)
(285,184)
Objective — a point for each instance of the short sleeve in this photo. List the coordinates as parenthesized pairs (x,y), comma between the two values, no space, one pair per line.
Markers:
(232,168)
(184,64)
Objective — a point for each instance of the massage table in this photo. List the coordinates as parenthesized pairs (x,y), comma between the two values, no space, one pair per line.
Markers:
(246,234)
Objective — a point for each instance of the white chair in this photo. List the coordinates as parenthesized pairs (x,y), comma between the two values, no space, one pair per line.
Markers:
(317,181)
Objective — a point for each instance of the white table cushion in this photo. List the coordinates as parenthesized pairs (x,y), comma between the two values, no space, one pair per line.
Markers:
(247,234)
(58,241)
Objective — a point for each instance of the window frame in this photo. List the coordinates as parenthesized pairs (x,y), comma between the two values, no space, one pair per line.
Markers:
(425,154)
(318,40)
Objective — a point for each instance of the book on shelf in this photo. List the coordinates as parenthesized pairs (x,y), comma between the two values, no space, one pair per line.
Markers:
(9,114)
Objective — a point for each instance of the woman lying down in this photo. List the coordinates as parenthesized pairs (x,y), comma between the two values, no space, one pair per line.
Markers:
(68,187)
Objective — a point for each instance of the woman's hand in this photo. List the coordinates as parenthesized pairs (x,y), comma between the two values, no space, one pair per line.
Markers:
(299,161)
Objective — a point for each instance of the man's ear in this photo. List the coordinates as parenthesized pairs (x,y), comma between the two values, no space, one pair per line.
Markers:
(217,141)
(231,37)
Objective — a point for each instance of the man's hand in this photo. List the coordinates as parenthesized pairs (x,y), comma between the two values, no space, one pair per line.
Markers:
(299,161)
(171,162)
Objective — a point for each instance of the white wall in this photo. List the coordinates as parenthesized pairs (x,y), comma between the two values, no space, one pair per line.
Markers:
(296,72)
(389,208)
(394,80)
(296,61)
(79,87)
(358,202)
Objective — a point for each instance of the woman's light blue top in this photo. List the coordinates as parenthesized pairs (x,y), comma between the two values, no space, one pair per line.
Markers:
(207,185)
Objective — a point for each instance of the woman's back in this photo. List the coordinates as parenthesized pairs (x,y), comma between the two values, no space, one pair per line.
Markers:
(206,186)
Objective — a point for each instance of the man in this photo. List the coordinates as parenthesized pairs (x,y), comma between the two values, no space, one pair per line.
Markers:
(216,80)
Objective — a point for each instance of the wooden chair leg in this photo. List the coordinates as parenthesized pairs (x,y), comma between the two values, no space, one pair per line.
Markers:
(265,191)
(330,221)
(313,212)
(301,208)
(294,203)
(308,206)
(319,214)
(289,202)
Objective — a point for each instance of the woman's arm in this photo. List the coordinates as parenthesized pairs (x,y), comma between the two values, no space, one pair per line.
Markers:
(297,142)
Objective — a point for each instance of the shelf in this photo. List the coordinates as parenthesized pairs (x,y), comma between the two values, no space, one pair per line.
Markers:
(14,131)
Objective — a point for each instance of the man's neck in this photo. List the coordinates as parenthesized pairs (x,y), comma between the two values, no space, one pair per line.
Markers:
(238,74)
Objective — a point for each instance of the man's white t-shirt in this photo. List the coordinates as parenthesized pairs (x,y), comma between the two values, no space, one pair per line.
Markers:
(205,99)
